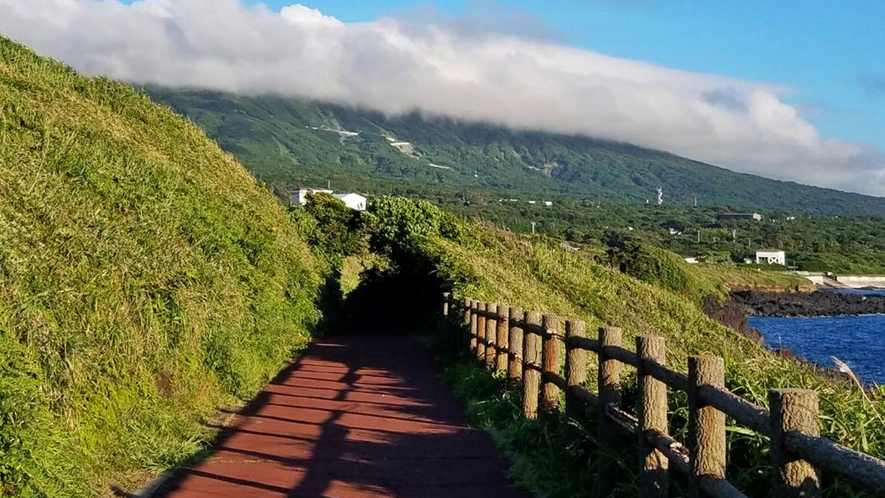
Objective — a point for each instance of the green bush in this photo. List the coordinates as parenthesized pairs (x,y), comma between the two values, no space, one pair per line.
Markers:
(649,264)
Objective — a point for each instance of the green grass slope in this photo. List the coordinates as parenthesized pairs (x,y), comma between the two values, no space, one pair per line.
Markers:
(497,266)
(145,279)
(284,140)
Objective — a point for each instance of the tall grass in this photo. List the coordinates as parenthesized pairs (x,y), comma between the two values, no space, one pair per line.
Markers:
(145,279)
(484,262)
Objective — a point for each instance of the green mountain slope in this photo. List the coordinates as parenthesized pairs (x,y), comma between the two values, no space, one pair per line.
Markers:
(290,142)
(145,279)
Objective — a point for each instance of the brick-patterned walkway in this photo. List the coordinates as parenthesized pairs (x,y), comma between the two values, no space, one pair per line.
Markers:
(353,417)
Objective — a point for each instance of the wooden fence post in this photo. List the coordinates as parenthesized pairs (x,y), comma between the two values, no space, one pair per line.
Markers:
(474,322)
(575,367)
(609,383)
(447,327)
(532,365)
(793,410)
(706,425)
(481,331)
(468,304)
(491,339)
(502,341)
(653,479)
(514,370)
(552,367)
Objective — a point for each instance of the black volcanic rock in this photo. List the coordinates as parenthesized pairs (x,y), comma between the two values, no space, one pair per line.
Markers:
(819,303)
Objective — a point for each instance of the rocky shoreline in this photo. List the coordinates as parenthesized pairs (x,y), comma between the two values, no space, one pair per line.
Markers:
(807,304)
(733,314)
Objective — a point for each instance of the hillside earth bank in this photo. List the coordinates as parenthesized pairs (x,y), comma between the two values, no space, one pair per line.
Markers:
(819,303)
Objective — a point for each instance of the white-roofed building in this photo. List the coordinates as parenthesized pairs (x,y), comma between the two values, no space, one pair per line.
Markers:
(353,201)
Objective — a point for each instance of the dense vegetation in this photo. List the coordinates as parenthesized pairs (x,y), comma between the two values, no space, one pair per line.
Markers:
(294,142)
(495,265)
(145,280)
(846,245)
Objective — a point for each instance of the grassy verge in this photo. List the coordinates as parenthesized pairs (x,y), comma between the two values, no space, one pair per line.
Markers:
(492,265)
(145,280)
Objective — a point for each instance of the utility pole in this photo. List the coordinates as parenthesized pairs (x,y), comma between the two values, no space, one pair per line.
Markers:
(699,235)
(533,228)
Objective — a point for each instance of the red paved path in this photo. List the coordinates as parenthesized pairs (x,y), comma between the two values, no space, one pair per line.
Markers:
(354,417)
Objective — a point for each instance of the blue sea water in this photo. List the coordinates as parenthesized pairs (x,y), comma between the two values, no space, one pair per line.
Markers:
(859,341)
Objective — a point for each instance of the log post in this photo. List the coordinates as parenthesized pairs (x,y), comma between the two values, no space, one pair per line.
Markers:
(653,479)
(532,365)
(575,367)
(481,331)
(468,304)
(793,410)
(552,367)
(474,323)
(609,382)
(447,327)
(706,425)
(502,341)
(491,336)
(514,370)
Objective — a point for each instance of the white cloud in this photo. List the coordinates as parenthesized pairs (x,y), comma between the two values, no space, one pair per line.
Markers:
(396,66)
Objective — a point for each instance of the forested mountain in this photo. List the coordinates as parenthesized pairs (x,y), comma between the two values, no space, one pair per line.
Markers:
(288,142)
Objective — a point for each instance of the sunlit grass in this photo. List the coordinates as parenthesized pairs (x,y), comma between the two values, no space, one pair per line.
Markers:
(145,279)
(497,266)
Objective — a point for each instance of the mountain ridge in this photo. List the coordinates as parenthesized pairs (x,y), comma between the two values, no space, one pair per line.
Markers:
(291,141)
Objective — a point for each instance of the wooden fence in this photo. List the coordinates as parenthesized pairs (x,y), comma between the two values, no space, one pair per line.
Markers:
(530,347)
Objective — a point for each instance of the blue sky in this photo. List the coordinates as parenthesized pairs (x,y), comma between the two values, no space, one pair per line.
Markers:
(824,51)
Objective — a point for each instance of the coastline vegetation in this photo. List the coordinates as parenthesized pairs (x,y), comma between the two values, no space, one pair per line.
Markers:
(494,265)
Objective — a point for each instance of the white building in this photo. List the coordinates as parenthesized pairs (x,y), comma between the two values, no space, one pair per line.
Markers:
(771,257)
(353,201)
(299,196)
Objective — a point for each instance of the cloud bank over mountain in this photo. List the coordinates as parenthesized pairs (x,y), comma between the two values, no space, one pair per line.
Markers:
(396,65)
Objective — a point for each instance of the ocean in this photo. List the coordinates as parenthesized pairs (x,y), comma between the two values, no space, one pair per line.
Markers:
(859,341)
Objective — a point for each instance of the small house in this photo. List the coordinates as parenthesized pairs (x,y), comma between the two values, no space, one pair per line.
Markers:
(299,195)
(739,216)
(353,201)
(771,257)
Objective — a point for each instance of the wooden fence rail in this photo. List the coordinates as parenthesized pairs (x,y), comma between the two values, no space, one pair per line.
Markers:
(531,349)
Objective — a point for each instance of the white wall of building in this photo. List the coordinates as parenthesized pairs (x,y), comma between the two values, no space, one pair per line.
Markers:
(300,196)
(353,201)
(771,257)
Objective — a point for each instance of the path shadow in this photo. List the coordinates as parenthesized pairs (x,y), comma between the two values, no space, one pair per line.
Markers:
(356,416)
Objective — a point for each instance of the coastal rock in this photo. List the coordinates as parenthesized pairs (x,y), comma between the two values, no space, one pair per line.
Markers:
(819,303)
(733,316)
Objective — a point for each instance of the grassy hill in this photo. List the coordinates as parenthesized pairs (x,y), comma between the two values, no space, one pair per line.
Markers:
(294,142)
(145,280)
(535,273)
